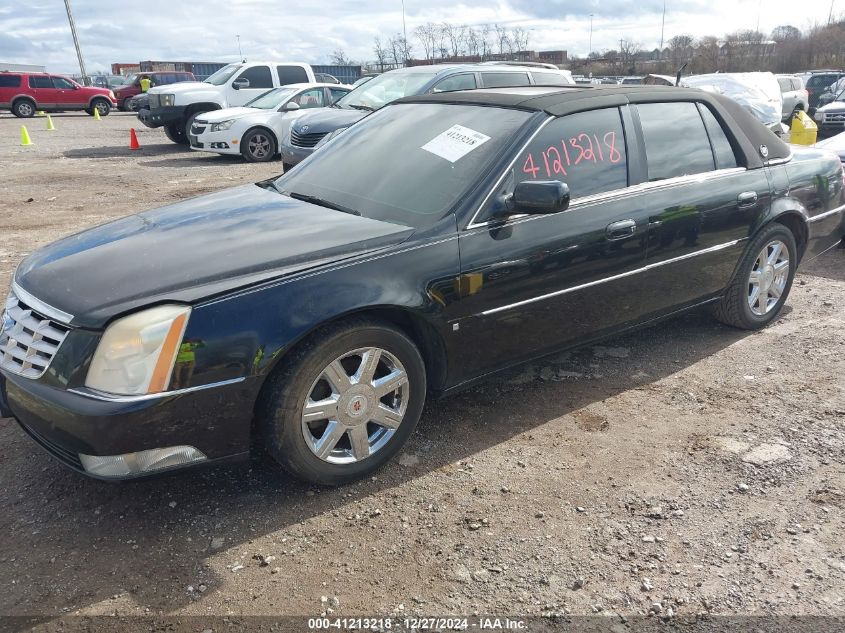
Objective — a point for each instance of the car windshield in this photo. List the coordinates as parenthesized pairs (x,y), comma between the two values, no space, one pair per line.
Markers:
(386,88)
(421,159)
(271,99)
(131,79)
(223,75)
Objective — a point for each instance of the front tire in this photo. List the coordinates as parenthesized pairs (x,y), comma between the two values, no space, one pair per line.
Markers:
(258,145)
(344,403)
(176,134)
(100,105)
(762,283)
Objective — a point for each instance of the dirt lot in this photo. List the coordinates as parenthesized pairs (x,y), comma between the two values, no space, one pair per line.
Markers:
(687,468)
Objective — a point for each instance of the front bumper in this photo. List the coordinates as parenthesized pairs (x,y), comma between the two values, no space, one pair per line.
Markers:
(170,115)
(215,421)
(217,142)
(294,155)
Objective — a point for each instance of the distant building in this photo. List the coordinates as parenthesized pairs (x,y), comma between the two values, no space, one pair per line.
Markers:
(553,57)
(22,68)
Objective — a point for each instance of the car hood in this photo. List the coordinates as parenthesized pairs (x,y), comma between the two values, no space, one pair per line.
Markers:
(194,250)
(325,120)
(835,106)
(182,86)
(216,116)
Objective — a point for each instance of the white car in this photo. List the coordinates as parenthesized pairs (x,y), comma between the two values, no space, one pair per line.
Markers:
(254,130)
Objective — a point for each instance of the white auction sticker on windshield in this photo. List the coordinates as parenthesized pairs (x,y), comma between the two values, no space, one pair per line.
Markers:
(455,143)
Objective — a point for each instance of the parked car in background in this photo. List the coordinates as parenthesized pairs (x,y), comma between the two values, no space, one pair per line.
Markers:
(832,93)
(27,93)
(817,83)
(326,78)
(254,130)
(311,128)
(175,107)
(132,85)
(835,144)
(830,118)
(795,96)
(106,81)
(631,81)
(313,314)
(757,92)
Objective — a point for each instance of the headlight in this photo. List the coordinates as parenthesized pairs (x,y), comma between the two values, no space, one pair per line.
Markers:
(223,125)
(137,353)
(167,100)
(819,116)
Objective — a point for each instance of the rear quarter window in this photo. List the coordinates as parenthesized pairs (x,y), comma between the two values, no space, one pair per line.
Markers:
(664,126)
(585,150)
(10,81)
(503,80)
(291,75)
(549,79)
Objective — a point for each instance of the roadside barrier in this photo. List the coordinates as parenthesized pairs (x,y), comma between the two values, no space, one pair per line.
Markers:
(25,140)
(133,139)
(50,125)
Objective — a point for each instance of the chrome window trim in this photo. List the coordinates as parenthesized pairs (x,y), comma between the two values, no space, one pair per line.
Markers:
(610,195)
(779,161)
(44,309)
(589,284)
(110,397)
(822,216)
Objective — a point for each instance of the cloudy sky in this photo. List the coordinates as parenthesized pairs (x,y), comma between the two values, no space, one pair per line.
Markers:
(37,32)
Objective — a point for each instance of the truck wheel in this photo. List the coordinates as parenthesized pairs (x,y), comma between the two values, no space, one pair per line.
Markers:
(176,134)
(23,108)
(762,283)
(258,145)
(100,105)
(344,403)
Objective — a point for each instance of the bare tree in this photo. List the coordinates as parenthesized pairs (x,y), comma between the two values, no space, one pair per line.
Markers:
(503,40)
(426,36)
(454,36)
(381,53)
(680,50)
(339,58)
(473,42)
(519,39)
(628,51)
(485,41)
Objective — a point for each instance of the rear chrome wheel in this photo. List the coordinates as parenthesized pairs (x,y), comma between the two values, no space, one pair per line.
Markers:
(344,401)
(768,277)
(355,406)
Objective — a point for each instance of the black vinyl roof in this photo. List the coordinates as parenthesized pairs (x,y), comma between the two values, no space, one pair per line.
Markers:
(562,100)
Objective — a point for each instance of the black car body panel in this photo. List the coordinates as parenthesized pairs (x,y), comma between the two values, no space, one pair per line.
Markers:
(195,249)
(476,292)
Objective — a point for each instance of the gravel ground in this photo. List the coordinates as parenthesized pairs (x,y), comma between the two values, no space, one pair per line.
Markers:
(688,468)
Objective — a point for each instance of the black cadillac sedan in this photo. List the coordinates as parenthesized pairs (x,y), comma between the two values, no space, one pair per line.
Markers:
(440,240)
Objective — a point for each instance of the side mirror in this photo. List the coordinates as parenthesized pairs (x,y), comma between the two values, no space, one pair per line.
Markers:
(540,197)
(290,106)
(240,83)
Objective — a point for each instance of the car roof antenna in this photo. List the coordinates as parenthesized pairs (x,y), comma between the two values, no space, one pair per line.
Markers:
(680,72)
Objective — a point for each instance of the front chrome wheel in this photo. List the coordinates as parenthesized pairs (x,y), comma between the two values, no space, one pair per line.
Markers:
(768,277)
(355,405)
(259,146)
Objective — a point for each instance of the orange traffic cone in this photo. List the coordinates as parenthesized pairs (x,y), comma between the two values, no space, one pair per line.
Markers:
(133,139)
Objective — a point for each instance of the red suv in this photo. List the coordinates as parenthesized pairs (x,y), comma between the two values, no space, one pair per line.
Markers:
(132,87)
(26,93)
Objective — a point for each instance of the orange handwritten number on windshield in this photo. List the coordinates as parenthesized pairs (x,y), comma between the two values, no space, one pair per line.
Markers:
(529,167)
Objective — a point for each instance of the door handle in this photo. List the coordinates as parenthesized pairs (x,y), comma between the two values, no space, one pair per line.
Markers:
(620,230)
(747,199)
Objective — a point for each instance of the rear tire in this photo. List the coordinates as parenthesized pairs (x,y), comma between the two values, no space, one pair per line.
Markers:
(176,134)
(342,438)
(762,283)
(258,145)
(23,108)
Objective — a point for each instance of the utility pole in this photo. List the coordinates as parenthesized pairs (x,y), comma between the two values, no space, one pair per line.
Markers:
(830,15)
(662,29)
(591,35)
(85,79)
(404,35)
(240,54)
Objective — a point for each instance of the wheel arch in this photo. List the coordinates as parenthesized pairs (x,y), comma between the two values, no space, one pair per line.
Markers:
(425,336)
(98,97)
(24,98)
(205,106)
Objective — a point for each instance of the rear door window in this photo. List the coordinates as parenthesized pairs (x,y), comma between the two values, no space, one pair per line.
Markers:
(464,81)
(10,81)
(62,84)
(311,98)
(676,140)
(722,150)
(503,80)
(258,76)
(40,81)
(785,84)
(291,75)
(585,150)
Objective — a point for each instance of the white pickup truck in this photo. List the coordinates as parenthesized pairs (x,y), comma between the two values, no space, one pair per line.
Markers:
(174,107)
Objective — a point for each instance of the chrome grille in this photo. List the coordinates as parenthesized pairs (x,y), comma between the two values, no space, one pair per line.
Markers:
(306,140)
(28,341)
(834,117)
